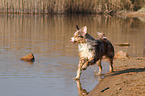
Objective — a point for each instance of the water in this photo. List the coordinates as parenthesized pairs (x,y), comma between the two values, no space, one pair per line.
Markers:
(47,37)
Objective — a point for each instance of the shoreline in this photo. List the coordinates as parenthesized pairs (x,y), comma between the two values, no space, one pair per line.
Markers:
(127,80)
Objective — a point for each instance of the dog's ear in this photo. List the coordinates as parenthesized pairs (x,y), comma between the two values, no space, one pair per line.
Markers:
(77,27)
(84,29)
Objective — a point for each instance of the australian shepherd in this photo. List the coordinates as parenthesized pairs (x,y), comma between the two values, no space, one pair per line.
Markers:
(92,50)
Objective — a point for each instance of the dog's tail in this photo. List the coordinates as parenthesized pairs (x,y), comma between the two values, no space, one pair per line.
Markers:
(102,36)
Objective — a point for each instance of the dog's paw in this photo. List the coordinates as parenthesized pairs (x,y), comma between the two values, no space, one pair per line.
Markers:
(76,79)
(84,67)
(99,74)
(111,71)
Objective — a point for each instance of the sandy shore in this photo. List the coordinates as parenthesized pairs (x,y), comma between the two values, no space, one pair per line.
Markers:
(127,80)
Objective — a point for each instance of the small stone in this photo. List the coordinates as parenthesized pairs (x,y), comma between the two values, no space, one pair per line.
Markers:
(29,57)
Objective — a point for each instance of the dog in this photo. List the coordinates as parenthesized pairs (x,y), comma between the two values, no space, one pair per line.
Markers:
(92,50)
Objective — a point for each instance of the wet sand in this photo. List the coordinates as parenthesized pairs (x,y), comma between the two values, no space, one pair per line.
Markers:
(127,80)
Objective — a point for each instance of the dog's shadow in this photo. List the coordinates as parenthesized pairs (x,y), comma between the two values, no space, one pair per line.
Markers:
(128,71)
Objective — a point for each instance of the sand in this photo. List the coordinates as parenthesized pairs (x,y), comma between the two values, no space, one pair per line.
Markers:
(127,80)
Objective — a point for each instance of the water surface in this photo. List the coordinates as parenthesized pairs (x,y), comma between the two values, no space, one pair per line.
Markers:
(47,37)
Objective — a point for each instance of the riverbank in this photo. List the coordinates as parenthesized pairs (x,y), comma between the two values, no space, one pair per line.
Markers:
(128,79)
(68,6)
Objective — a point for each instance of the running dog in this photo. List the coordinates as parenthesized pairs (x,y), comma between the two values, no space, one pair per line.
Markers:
(92,50)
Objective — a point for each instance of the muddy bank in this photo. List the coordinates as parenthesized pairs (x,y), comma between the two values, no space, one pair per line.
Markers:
(128,79)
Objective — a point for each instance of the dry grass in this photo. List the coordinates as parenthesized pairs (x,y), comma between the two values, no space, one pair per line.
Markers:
(66,6)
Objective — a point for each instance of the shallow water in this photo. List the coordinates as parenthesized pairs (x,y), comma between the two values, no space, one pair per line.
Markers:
(47,37)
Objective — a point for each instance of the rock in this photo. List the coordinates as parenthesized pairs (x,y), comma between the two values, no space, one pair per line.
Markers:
(121,55)
(29,57)
(123,44)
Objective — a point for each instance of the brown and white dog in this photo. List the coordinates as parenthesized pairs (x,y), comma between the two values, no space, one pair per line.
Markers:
(92,50)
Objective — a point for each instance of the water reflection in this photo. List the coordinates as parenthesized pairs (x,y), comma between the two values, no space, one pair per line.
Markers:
(47,37)
(81,91)
(53,32)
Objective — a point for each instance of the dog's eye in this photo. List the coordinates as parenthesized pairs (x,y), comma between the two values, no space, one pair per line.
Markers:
(81,36)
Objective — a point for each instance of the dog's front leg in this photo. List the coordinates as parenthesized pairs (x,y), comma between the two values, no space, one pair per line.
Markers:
(100,67)
(79,70)
(89,62)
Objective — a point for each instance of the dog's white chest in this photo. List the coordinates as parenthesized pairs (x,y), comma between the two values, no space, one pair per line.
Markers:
(84,51)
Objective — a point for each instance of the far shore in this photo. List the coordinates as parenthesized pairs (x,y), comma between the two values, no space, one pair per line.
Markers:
(132,14)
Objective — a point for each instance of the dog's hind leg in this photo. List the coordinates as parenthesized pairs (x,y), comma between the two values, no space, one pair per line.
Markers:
(79,70)
(100,67)
(111,65)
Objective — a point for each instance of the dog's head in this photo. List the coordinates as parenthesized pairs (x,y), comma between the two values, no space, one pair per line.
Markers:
(79,36)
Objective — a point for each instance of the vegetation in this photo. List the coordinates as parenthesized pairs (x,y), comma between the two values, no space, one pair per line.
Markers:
(68,6)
